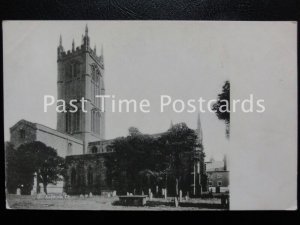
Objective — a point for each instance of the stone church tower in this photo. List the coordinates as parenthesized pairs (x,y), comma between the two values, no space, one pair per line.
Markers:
(81,75)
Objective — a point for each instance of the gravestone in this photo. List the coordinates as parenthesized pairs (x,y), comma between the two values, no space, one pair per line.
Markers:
(180,196)
(165,193)
(176,202)
(114,193)
(150,195)
(90,195)
(18,191)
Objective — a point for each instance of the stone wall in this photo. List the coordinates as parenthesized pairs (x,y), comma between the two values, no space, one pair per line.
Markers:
(25,132)
(22,132)
(86,174)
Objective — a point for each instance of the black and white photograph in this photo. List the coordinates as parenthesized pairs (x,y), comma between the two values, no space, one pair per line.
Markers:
(150,115)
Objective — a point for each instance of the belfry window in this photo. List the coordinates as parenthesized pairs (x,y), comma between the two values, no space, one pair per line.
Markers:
(95,121)
(22,133)
(68,122)
(77,120)
(76,69)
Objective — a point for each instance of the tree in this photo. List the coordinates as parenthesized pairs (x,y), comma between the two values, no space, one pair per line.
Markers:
(133,131)
(134,158)
(222,106)
(139,162)
(36,158)
(182,150)
(12,179)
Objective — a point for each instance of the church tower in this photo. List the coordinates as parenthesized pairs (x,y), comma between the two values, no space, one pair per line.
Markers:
(81,75)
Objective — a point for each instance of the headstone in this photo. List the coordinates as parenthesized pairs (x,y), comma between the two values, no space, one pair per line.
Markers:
(180,196)
(142,192)
(81,196)
(90,195)
(176,202)
(166,193)
(163,191)
(151,196)
(86,196)
(114,193)
(109,195)
(187,195)
(18,191)
(156,190)
(149,191)
(127,194)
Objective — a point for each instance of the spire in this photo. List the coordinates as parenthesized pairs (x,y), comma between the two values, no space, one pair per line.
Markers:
(86,39)
(225,162)
(73,45)
(171,124)
(60,48)
(86,30)
(199,129)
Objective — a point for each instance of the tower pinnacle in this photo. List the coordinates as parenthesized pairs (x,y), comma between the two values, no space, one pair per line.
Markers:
(86,30)
(60,40)
(86,39)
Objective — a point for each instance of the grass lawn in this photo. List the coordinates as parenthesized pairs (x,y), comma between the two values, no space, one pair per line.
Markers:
(106,203)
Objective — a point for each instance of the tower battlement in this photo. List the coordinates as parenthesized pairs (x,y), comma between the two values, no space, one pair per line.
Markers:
(63,54)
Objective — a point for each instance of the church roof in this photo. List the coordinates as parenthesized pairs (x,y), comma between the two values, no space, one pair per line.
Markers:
(46,129)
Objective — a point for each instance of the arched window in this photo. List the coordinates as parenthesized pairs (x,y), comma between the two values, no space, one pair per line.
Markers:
(77,120)
(69,71)
(68,122)
(92,120)
(94,149)
(69,149)
(76,69)
(90,176)
(73,177)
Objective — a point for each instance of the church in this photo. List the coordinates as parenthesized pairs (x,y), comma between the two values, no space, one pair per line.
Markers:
(80,136)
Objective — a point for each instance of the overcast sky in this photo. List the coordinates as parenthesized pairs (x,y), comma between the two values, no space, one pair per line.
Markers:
(185,60)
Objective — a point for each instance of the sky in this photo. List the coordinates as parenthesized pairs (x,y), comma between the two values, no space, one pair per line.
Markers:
(143,60)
